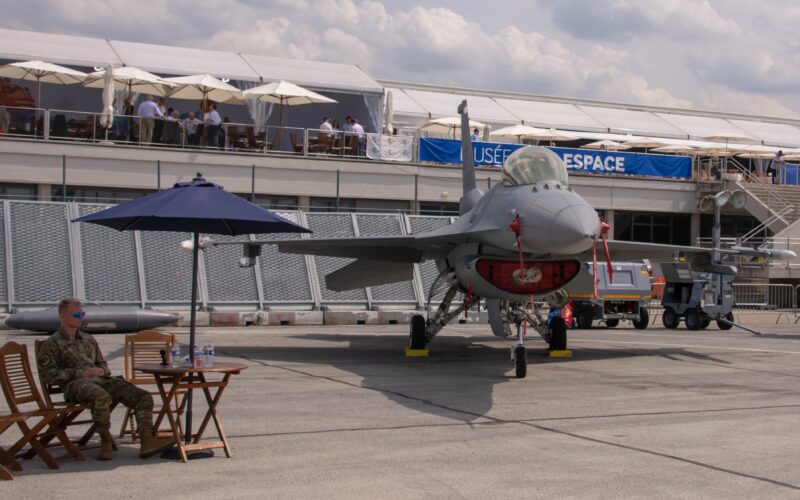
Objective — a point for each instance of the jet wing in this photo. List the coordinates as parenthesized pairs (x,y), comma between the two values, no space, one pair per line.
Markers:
(394,249)
(632,250)
(413,248)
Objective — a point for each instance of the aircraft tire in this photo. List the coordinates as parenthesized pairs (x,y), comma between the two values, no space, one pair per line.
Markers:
(612,323)
(558,334)
(520,362)
(643,321)
(417,337)
(693,319)
(726,326)
(670,319)
(585,316)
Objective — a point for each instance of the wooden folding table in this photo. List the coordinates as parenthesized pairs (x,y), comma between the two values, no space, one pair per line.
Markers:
(172,380)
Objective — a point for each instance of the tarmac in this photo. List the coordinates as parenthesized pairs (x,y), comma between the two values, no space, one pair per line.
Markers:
(339,412)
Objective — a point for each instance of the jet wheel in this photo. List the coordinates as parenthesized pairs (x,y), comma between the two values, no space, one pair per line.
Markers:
(417,338)
(612,323)
(520,361)
(558,334)
(643,321)
(670,319)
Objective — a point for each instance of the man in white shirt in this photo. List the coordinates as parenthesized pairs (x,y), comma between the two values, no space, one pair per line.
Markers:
(212,121)
(190,124)
(148,112)
(358,130)
(476,135)
(326,125)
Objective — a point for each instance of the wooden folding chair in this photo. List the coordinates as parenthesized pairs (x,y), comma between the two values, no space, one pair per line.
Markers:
(50,391)
(8,461)
(19,389)
(140,349)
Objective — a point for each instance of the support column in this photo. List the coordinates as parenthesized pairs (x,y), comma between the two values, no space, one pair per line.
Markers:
(303,203)
(610,221)
(695,228)
(44,192)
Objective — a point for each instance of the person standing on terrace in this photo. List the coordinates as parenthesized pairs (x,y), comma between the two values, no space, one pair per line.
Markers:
(212,121)
(148,112)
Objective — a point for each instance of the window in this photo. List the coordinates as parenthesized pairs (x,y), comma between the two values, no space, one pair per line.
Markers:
(18,191)
(97,195)
(273,202)
(434,208)
(668,229)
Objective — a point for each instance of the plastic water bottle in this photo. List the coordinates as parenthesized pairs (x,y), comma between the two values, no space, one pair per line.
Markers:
(198,358)
(175,355)
(209,355)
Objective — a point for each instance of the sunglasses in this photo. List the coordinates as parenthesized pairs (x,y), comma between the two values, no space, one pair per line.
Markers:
(78,314)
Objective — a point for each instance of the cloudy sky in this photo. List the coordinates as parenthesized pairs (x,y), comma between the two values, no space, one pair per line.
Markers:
(732,55)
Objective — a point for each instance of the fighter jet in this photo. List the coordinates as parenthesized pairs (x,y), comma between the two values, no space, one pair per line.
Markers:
(518,244)
(98,319)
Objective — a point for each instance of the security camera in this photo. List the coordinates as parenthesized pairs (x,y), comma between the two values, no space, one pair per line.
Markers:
(247,262)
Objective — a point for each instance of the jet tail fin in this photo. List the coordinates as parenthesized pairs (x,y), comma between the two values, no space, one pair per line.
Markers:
(468,168)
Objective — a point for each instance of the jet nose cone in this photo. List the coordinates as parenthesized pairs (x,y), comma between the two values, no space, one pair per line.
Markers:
(574,228)
(559,222)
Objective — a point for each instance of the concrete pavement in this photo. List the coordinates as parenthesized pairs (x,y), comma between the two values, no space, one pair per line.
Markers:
(338,412)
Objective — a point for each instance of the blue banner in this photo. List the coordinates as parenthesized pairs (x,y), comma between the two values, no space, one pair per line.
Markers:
(576,160)
(617,162)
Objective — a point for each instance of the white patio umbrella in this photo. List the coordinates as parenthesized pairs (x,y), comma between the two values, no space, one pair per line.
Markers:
(203,88)
(673,148)
(107,115)
(448,124)
(606,145)
(41,71)
(718,150)
(388,113)
(286,94)
(553,135)
(645,142)
(133,80)
(727,136)
(519,131)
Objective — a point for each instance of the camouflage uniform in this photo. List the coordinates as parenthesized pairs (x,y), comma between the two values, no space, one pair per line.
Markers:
(63,358)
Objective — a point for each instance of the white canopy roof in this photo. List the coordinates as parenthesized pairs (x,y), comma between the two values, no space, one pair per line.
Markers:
(315,74)
(551,114)
(628,121)
(773,134)
(698,127)
(404,105)
(61,49)
(168,60)
(446,104)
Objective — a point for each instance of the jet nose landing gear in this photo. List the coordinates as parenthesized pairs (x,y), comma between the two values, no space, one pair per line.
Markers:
(519,356)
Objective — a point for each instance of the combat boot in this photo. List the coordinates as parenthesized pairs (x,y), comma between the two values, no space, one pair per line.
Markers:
(152,445)
(106,446)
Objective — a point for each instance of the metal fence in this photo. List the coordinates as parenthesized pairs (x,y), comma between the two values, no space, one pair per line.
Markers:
(44,257)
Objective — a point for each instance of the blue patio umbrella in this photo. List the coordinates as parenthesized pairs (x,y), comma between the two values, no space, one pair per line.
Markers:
(196,207)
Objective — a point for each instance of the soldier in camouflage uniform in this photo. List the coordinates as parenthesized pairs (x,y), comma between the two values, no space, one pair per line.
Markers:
(72,360)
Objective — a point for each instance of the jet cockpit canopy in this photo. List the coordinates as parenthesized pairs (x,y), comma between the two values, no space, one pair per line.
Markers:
(533,164)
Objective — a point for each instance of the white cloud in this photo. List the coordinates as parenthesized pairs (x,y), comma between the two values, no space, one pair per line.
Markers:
(733,55)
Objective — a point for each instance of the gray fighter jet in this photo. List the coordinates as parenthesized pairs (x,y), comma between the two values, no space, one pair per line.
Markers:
(517,244)
(98,319)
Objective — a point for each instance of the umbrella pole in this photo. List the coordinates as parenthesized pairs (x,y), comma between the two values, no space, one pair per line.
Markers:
(38,105)
(192,317)
(280,126)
